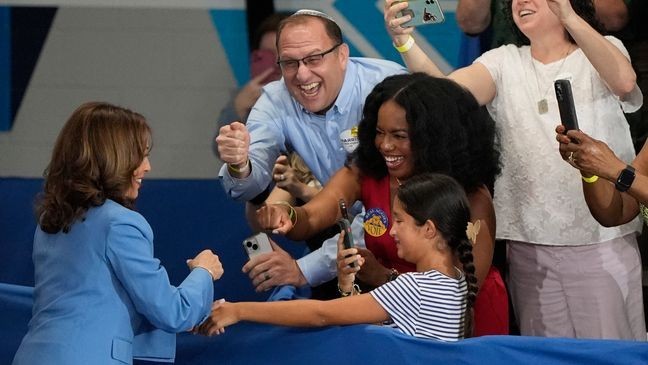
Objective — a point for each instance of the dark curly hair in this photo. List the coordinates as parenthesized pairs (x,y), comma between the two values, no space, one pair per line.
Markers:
(449,132)
(94,158)
(442,200)
(584,8)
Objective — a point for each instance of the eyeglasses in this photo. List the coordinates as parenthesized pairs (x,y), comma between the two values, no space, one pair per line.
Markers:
(314,60)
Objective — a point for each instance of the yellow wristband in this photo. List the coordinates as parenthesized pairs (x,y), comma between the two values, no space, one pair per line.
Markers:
(405,47)
(590,180)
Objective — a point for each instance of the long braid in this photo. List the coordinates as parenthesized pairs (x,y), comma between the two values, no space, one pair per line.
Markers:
(464,253)
(463,250)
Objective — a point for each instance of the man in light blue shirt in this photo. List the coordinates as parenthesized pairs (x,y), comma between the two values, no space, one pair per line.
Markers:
(313,110)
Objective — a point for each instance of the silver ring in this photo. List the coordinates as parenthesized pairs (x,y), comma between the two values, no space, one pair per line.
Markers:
(282,177)
(571,157)
(266,276)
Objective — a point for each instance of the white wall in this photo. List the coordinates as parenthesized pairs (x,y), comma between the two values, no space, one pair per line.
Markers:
(166,64)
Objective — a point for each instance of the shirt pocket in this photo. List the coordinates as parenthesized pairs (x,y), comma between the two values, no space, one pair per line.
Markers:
(122,350)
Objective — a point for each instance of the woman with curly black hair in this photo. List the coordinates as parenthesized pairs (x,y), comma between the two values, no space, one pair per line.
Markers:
(448,131)
(411,124)
(563,265)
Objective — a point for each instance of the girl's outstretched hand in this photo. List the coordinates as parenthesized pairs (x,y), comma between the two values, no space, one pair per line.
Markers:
(223,314)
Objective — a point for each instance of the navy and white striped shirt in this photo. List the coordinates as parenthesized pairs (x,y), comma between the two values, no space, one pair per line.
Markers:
(425,304)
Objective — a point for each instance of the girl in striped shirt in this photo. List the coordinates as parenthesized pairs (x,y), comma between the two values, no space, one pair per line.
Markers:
(431,228)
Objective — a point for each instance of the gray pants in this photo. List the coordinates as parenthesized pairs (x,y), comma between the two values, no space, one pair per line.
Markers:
(589,291)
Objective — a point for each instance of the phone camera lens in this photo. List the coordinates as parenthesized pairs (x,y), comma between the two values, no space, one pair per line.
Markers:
(255,246)
(248,243)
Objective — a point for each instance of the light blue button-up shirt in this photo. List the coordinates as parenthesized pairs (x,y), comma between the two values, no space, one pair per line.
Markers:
(278,123)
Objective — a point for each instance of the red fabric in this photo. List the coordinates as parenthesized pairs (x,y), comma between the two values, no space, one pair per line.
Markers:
(376,200)
(491,306)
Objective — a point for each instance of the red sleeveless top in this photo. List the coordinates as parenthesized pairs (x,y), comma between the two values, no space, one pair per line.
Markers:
(377,223)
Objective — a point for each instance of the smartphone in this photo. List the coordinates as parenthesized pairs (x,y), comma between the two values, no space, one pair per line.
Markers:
(566,106)
(257,244)
(423,12)
(345,225)
(261,60)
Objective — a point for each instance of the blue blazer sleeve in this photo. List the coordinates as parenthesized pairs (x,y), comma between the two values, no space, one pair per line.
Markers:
(129,250)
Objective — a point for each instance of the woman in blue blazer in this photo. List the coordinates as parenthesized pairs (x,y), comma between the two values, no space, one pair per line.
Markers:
(100,296)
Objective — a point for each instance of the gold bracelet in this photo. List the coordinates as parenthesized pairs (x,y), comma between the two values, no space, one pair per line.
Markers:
(406,46)
(292,213)
(355,289)
(590,180)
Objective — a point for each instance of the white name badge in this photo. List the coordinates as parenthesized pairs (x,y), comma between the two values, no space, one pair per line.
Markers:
(349,139)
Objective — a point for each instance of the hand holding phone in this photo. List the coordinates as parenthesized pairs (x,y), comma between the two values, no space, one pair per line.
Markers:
(345,225)
(566,105)
(257,244)
(422,12)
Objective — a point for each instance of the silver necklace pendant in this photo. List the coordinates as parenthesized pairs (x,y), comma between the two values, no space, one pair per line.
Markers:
(543,106)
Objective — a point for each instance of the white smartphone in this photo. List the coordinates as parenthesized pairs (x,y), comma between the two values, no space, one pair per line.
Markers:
(257,244)
(423,12)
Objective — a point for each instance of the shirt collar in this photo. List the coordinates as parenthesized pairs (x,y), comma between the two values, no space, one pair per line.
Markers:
(346,98)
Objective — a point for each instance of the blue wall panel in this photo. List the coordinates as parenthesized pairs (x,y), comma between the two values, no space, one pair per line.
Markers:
(232,28)
(187,216)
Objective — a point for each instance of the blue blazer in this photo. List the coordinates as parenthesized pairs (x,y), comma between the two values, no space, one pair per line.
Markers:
(100,297)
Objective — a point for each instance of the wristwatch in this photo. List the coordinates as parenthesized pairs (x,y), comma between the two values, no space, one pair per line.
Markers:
(625,179)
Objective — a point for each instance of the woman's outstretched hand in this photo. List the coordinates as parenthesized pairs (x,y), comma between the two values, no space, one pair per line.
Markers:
(589,155)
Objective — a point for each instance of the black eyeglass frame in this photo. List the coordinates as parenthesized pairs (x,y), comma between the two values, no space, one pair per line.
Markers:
(318,56)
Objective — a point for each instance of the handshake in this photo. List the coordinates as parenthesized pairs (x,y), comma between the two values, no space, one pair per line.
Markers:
(223,314)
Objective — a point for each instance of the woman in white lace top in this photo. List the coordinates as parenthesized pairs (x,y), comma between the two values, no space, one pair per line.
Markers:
(569,276)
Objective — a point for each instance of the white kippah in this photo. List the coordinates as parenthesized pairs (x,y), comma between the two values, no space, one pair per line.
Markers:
(314,13)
